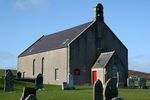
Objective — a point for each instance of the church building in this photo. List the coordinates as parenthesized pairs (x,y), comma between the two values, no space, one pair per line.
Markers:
(87,52)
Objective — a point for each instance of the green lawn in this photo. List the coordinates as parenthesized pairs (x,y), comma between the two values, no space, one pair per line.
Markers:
(81,93)
(135,94)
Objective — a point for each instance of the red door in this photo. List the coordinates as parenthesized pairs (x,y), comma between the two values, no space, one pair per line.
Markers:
(94,76)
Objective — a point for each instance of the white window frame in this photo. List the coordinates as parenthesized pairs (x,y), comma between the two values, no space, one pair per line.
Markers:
(56,74)
(33,66)
(42,66)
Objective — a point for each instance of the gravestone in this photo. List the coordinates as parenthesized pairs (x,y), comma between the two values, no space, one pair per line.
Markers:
(110,90)
(117,98)
(98,90)
(7,70)
(71,82)
(27,91)
(64,86)
(118,79)
(39,82)
(18,74)
(31,97)
(8,81)
(142,83)
(69,85)
(130,82)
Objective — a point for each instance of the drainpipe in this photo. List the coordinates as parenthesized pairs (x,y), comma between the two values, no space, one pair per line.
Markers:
(68,63)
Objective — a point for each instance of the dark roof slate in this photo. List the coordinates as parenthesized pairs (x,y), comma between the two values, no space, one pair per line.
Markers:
(55,41)
(103,59)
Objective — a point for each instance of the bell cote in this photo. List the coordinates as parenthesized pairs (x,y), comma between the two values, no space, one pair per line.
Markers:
(98,13)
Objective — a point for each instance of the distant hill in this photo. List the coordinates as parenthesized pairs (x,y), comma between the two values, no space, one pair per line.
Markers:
(132,73)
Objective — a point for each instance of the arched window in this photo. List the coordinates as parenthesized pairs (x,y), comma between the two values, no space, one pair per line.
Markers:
(33,67)
(42,69)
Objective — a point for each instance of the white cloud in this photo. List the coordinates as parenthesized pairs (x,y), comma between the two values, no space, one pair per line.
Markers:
(30,4)
(140,63)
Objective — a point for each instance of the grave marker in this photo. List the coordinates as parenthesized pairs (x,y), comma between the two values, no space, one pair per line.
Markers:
(8,81)
(142,83)
(18,74)
(71,82)
(27,91)
(65,86)
(130,82)
(98,90)
(110,90)
(117,98)
(31,97)
(39,82)
(69,85)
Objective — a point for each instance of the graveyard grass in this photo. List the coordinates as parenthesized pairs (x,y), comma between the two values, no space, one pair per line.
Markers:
(53,92)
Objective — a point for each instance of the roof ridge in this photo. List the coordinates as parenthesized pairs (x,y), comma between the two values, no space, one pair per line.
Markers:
(69,28)
(56,40)
(101,58)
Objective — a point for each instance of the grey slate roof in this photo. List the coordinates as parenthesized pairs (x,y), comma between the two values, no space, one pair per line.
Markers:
(55,41)
(103,59)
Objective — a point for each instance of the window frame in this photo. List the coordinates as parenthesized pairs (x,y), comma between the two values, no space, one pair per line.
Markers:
(42,65)
(33,70)
(56,74)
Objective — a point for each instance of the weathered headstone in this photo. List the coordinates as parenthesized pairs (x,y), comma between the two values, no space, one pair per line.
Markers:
(118,79)
(8,81)
(130,82)
(117,98)
(110,90)
(27,91)
(142,83)
(39,82)
(31,97)
(69,85)
(7,70)
(18,74)
(71,82)
(64,86)
(98,90)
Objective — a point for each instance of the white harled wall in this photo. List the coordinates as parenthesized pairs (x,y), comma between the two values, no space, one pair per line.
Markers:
(55,59)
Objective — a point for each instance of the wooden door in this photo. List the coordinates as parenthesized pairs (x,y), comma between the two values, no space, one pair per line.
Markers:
(94,76)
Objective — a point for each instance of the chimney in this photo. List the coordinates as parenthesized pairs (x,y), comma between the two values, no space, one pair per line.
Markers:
(98,13)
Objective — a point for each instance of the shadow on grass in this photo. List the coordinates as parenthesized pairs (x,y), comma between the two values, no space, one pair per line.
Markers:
(83,88)
(1,88)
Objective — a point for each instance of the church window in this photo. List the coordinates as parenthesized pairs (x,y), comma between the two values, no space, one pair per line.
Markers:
(56,74)
(33,67)
(42,69)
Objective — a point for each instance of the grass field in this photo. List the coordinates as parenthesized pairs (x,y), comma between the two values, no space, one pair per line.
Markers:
(52,92)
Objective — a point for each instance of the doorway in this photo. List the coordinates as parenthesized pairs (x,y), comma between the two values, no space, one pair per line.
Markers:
(94,76)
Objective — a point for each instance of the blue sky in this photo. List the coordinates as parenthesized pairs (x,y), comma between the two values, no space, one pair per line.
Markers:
(22,22)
